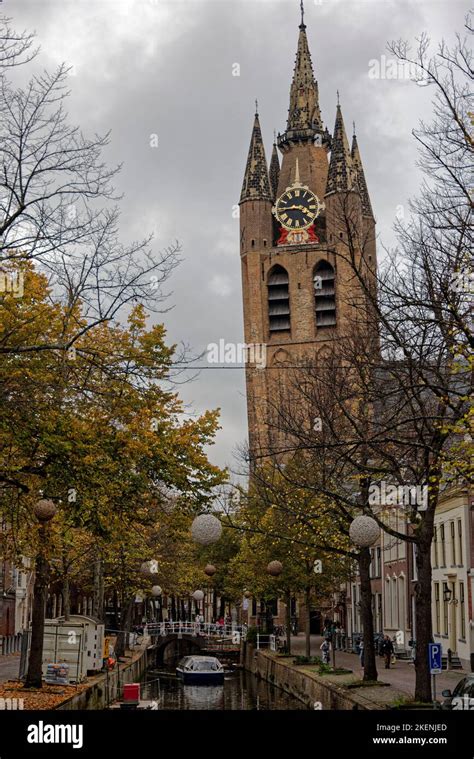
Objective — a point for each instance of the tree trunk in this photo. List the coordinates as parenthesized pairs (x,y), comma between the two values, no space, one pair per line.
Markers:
(288,622)
(307,626)
(98,594)
(66,597)
(125,626)
(423,611)
(34,674)
(370,667)
(116,611)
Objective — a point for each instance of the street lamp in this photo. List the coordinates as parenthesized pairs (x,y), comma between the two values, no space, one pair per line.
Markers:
(44,511)
(364,531)
(206,529)
(447,593)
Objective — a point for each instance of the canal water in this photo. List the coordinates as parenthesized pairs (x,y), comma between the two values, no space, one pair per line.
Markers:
(241,691)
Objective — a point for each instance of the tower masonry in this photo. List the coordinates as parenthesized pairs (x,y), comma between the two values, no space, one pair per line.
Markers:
(298,222)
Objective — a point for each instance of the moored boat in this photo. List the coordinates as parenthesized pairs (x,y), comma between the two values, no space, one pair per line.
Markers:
(200,670)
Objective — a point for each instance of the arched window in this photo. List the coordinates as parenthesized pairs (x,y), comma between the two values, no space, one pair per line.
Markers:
(278,300)
(325,295)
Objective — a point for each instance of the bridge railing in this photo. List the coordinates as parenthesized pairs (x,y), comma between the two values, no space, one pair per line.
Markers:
(233,633)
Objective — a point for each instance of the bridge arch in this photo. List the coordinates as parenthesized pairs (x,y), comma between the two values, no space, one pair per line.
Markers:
(174,646)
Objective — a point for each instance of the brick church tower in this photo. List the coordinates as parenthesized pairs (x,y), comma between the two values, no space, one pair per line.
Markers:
(299,291)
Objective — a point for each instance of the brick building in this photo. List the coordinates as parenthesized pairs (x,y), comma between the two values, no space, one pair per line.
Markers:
(298,292)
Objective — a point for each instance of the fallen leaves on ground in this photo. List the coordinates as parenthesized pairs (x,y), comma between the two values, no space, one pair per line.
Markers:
(47,697)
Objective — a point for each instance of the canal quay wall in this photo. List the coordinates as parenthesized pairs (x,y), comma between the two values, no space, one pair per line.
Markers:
(106,688)
(316,691)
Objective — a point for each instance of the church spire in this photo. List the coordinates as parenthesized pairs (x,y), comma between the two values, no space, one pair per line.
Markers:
(256,185)
(341,174)
(359,172)
(304,117)
(274,171)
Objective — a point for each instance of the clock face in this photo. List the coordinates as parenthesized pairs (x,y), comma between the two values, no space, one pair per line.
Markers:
(297,208)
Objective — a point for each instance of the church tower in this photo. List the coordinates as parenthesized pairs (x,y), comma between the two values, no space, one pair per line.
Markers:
(296,220)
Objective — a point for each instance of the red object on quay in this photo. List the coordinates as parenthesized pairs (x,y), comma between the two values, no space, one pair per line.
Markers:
(131,692)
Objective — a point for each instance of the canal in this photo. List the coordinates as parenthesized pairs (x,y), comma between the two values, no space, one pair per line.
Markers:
(241,691)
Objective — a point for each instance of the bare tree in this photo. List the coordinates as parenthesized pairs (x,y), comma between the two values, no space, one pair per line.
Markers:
(59,209)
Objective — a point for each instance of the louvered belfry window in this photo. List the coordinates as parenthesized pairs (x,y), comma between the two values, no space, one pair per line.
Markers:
(325,294)
(278,300)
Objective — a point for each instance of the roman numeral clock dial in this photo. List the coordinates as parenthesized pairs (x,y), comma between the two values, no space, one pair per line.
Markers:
(296,210)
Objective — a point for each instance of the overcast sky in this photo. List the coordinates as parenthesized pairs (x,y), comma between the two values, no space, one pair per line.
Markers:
(165,67)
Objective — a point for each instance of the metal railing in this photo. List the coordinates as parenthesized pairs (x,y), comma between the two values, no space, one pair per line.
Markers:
(10,644)
(234,633)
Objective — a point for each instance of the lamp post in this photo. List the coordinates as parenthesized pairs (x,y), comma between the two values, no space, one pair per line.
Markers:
(447,593)
(44,511)
(364,532)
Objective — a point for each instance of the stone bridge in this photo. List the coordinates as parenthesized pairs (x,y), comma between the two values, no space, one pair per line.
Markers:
(172,640)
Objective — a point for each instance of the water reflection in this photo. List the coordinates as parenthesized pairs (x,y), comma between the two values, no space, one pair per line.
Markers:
(240,691)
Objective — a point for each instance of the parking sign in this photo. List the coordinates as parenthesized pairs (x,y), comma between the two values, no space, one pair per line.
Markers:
(435,651)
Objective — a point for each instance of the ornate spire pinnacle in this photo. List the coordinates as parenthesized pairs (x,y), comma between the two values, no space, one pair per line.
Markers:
(274,170)
(304,116)
(359,172)
(256,185)
(341,175)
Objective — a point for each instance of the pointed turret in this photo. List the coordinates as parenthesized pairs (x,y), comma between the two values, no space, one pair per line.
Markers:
(274,172)
(256,185)
(304,117)
(341,175)
(362,184)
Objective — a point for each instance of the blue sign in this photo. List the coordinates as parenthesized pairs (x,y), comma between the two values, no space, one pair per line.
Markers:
(435,651)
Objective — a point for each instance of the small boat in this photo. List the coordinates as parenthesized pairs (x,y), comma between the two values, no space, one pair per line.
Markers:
(201,670)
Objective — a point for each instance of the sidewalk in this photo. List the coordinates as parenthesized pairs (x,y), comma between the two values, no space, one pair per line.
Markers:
(9,667)
(401,675)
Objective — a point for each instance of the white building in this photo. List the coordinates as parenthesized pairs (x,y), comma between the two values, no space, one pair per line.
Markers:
(453,576)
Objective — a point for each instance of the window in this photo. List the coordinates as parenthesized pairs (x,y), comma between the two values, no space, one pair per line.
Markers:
(394,603)
(453,543)
(378,562)
(462,610)
(272,607)
(437,609)
(443,546)
(460,551)
(445,609)
(325,295)
(388,603)
(435,548)
(278,300)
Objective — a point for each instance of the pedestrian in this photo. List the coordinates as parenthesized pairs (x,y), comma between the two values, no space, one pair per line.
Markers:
(343,638)
(387,650)
(325,647)
(361,653)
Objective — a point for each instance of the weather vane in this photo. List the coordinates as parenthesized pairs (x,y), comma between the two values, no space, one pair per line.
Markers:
(302,12)
(256,105)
